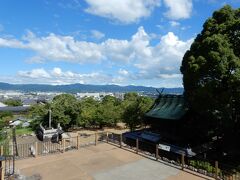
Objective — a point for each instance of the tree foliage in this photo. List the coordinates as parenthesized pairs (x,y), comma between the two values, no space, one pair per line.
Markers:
(134,109)
(65,110)
(88,112)
(39,114)
(13,102)
(211,69)
(108,112)
(5,117)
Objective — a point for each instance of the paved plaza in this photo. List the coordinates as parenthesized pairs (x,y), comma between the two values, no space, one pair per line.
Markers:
(101,162)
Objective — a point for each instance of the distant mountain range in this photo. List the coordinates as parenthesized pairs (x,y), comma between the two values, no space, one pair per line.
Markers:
(74,88)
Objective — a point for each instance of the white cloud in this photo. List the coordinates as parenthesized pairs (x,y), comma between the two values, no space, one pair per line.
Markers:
(185,27)
(178,9)
(12,43)
(160,26)
(124,11)
(123,72)
(117,50)
(34,74)
(56,48)
(170,76)
(57,71)
(174,23)
(73,4)
(165,59)
(129,51)
(35,59)
(97,34)
(57,76)
(137,58)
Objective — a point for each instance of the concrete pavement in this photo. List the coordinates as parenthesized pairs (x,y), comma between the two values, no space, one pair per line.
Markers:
(101,162)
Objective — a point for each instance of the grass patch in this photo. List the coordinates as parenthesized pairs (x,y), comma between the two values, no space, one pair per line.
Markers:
(24,131)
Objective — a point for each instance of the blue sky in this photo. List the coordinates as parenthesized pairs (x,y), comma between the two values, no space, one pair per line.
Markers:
(138,42)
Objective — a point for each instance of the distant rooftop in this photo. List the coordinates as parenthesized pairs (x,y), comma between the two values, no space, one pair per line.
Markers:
(2,104)
(14,108)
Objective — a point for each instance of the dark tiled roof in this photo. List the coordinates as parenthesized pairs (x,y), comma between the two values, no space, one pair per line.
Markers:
(15,108)
(172,107)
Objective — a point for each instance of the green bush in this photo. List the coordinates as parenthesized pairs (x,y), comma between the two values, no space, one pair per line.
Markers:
(202,165)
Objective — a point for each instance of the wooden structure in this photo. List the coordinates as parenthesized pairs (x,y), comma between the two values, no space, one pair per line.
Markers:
(167,117)
(167,120)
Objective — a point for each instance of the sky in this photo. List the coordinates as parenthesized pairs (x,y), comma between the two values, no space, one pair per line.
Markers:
(123,42)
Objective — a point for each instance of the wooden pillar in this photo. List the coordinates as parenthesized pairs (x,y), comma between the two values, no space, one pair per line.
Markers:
(137,145)
(157,152)
(183,161)
(78,142)
(216,169)
(36,149)
(120,141)
(107,137)
(3,170)
(64,145)
(1,150)
(96,138)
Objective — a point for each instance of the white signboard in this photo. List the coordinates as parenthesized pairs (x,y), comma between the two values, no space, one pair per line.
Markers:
(164,147)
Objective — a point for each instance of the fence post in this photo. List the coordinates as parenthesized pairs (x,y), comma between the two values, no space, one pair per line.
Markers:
(183,161)
(64,145)
(107,137)
(120,141)
(137,145)
(157,152)
(3,169)
(1,150)
(216,169)
(36,149)
(96,139)
(78,141)
(112,138)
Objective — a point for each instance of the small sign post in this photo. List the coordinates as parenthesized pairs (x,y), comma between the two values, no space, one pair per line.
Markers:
(164,147)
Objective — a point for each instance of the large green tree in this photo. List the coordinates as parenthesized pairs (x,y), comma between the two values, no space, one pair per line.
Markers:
(134,108)
(65,110)
(108,111)
(211,70)
(39,114)
(88,112)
